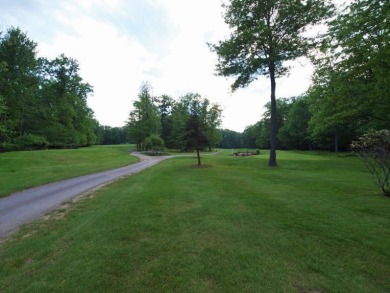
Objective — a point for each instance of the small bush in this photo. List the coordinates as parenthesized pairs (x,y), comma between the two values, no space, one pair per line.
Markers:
(7,147)
(30,141)
(154,143)
(374,149)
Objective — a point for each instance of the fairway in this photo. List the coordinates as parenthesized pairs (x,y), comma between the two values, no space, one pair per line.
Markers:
(316,223)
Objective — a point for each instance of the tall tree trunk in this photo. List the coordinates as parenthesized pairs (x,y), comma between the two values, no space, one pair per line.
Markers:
(197,153)
(272,152)
(21,122)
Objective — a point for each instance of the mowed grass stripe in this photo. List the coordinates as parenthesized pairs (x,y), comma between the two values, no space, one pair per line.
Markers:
(314,224)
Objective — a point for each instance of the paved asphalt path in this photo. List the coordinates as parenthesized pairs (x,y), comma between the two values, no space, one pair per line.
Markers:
(23,207)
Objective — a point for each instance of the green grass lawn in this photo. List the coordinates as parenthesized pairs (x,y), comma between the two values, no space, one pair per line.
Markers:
(314,224)
(21,170)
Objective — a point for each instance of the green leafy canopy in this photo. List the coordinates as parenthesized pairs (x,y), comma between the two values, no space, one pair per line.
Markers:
(264,35)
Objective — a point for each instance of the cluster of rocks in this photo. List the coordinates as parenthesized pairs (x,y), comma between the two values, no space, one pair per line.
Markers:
(245,154)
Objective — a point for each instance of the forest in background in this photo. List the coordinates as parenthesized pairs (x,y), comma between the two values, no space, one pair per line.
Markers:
(43,103)
(350,91)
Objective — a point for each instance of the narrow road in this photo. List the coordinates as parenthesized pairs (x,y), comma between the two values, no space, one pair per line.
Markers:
(23,207)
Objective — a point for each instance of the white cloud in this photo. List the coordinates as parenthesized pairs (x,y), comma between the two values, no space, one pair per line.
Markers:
(121,43)
(112,62)
(190,64)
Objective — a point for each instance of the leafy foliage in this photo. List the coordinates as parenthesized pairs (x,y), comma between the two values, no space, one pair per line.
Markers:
(144,120)
(165,106)
(374,148)
(351,90)
(3,128)
(41,100)
(154,143)
(294,133)
(64,104)
(163,116)
(108,135)
(231,139)
(196,128)
(265,34)
(18,81)
(292,119)
(31,141)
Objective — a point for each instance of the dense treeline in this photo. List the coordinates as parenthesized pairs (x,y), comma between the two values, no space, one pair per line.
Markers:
(107,135)
(43,103)
(190,123)
(292,120)
(230,139)
(351,85)
(350,93)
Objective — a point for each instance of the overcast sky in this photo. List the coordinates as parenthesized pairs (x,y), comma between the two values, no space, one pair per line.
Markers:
(121,43)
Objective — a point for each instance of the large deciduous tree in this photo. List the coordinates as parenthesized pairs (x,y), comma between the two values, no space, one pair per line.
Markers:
(360,46)
(351,89)
(18,80)
(264,35)
(45,101)
(68,121)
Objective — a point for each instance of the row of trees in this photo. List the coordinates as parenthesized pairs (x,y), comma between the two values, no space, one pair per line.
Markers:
(350,93)
(107,135)
(231,139)
(351,85)
(42,102)
(190,123)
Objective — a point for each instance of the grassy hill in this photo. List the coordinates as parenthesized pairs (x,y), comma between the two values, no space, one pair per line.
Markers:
(314,224)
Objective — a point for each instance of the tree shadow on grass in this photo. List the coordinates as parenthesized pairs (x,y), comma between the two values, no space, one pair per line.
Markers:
(203,166)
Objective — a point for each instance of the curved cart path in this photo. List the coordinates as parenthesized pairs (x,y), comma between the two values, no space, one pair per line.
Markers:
(23,207)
